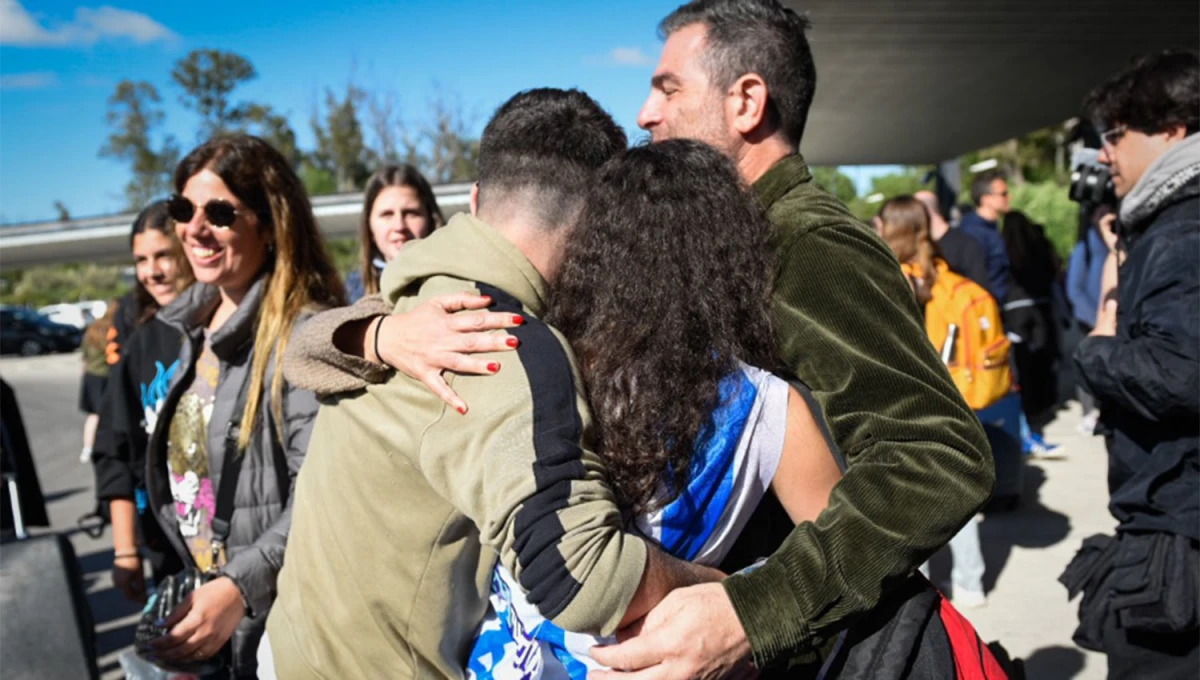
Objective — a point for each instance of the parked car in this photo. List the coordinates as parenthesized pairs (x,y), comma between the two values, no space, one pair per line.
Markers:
(78,315)
(25,332)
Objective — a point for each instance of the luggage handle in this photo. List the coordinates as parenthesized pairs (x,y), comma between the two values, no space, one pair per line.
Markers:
(14,494)
(15,500)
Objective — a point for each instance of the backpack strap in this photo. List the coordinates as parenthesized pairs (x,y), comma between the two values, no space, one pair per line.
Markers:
(818,415)
(231,471)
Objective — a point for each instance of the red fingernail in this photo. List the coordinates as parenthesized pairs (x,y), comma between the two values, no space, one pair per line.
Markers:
(493,367)
(518,319)
(512,342)
(461,409)
(487,298)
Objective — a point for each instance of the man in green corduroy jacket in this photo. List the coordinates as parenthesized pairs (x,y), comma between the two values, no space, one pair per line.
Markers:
(739,75)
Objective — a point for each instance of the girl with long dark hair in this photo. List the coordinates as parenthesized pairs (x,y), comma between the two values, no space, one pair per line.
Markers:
(161,272)
(398,207)
(664,294)
(1029,318)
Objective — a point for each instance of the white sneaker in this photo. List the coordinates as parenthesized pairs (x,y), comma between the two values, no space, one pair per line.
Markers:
(969,598)
(1087,424)
(85,456)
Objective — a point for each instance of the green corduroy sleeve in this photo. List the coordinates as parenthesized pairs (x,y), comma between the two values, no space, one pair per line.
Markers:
(919,463)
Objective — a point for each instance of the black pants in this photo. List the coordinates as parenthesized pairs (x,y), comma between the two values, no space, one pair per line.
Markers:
(1148,655)
(1038,381)
(1086,400)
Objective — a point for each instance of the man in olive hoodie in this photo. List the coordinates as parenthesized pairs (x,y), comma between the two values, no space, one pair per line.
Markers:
(404,506)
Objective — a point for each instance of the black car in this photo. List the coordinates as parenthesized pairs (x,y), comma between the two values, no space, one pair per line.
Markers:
(28,333)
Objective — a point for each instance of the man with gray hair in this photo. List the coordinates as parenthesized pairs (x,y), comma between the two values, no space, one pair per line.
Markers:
(739,75)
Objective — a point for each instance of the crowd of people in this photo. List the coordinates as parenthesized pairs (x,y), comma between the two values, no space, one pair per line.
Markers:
(674,391)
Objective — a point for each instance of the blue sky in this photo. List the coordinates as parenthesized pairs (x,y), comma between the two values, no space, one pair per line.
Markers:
(59,62)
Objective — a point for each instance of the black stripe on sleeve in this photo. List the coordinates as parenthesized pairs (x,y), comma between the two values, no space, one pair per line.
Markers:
(557,430)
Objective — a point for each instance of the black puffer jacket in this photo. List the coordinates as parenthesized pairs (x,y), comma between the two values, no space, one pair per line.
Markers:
(1147,377)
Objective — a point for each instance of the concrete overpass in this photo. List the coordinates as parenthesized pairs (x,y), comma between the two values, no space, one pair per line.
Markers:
(904,82)
(106,239)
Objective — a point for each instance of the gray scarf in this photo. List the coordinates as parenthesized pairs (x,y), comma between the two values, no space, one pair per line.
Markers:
(1176,170)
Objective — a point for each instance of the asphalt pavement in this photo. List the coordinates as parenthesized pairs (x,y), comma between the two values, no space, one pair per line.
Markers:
(1025,550)
(47,389)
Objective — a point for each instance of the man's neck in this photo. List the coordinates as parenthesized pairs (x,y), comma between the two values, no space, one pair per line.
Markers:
(756,158)
(938,229)
(987,214)
(542,247)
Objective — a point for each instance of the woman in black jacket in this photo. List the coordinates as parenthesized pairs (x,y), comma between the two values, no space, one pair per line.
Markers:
(161,273)
(1029,315)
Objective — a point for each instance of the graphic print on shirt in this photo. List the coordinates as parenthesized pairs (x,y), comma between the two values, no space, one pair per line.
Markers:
(188,461)
(154,394)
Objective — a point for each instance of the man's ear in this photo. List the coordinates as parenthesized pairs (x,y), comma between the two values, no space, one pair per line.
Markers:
(748,104)
(1176,133)
(474,201)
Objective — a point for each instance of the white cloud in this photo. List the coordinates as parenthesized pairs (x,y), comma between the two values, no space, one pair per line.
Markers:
(27,81)
(19,27)
(629,56)
(621,56)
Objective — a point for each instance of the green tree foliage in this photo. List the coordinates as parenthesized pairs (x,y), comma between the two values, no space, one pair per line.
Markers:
(392,142)
(208,78)
(836,182)
(317,181)
(1046,203)
(454,153)
(345,254)
(48,285)
(275,129)
(340,146)
(443,147)
(1039,156)
(133,114)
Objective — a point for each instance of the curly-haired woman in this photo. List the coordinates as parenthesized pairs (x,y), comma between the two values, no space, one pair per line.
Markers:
(670,320)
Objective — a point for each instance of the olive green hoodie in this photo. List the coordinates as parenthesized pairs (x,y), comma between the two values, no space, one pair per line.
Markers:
(403,505)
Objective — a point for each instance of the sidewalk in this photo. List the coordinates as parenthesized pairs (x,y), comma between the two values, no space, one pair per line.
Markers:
(1025,550)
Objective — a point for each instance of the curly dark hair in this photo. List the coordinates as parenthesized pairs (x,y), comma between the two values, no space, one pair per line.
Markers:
(1155,92)
(666,283)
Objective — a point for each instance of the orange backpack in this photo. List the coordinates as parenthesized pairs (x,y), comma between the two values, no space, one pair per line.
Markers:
(977,355)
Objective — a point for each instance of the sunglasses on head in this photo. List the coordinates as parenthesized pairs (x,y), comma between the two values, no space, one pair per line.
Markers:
(219,212)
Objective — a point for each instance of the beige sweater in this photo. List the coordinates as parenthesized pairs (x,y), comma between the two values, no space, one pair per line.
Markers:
(404,506)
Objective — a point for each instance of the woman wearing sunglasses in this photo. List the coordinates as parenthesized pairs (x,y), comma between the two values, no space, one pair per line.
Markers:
(224,451)
(398,207)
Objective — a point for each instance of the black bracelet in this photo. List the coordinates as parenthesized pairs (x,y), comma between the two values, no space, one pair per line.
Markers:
(379,356)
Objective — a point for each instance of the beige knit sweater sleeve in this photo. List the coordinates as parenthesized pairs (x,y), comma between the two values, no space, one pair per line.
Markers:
(313,362)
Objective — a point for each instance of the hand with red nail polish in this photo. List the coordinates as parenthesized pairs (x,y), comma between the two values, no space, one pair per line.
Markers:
(447,333)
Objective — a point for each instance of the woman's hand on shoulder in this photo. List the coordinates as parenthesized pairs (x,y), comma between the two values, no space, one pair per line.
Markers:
(439,335)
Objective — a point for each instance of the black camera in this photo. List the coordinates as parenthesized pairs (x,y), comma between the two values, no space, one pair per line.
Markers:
(1091,183)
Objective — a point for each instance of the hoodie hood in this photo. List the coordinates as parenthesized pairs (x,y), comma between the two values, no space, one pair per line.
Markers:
(471,250)
(1170,177)
(193,308)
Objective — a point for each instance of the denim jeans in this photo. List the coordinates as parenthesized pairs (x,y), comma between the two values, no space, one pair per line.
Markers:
(967,572)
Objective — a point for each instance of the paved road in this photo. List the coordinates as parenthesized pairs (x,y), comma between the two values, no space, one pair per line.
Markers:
(47,390)
(1025,550)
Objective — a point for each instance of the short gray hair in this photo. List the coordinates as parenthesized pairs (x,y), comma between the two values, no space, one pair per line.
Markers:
(756,36)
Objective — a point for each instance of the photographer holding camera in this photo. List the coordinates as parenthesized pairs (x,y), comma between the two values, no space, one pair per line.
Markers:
(1142,364)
